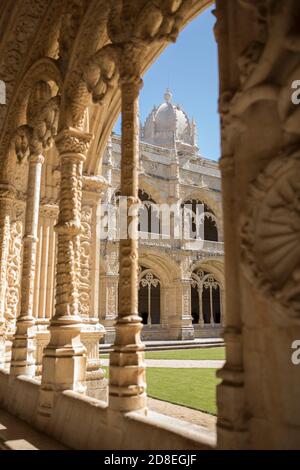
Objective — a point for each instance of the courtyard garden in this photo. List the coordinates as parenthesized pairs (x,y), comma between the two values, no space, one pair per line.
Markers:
(192,386)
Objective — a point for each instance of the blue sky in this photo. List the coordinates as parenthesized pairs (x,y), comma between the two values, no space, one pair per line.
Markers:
(190,69)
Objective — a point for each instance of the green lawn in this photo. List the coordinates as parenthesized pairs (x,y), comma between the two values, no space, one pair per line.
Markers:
(195,388)
(189,354)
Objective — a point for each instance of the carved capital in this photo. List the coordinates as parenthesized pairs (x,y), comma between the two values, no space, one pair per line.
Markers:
(49,210)
(22,138)
(36,159)
(101,73)
(94,184)
(130,65)
(73,143)
(146,21)
(37,136)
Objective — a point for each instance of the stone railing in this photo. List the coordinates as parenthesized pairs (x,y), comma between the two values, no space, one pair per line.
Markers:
(215,247)
(187,244)
(155,240)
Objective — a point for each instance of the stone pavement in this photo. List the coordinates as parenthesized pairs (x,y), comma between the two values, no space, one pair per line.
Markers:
(15,434)
(180,363)
(184,413)
(161,345)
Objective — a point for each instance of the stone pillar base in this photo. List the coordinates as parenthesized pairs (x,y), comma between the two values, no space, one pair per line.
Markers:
(8,349)
(64,365)
(23,349)
(96,383)
(181,332)
(110,335)
(42,339)
(186,332)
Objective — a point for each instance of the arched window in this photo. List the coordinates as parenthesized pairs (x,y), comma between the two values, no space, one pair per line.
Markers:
(205,298)
(209,231)
(149,297)
(149,221)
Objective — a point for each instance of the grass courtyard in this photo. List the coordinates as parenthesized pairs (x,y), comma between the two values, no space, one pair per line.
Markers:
(186,354)
(189,354)
(195,388)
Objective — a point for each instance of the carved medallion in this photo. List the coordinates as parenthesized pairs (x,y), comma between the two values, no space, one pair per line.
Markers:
(270,233)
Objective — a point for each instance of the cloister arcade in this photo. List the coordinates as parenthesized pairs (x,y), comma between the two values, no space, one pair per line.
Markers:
(69,67)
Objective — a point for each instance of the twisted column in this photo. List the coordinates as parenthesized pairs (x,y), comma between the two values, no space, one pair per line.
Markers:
(6,205)
(127,389)
(23,347)
(64,361)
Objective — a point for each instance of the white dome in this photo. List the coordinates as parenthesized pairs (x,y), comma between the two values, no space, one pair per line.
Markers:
(167,124)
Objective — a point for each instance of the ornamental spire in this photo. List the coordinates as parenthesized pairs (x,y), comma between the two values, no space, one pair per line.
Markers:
(168,95)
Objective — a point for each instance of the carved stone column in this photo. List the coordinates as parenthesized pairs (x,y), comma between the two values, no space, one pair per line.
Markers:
(6,204)
(109,280)
(232,423)
(23,347)
(182,327)
(64,361)
(127,390)
(92,331)
(13,276)
(44,281)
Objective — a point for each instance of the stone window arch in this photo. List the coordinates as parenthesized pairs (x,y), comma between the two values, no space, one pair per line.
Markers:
(210,229)
(149,219)
(149,296)
(205,298)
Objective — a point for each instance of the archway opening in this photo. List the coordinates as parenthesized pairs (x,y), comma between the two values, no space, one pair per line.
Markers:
(149,297)
(205,298)
(149,220)
(203,222)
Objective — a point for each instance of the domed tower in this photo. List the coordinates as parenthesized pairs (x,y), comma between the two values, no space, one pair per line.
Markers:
(168,124)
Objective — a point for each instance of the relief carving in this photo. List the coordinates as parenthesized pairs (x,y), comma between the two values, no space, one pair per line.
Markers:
(13,275)
(270,234)
(84,289)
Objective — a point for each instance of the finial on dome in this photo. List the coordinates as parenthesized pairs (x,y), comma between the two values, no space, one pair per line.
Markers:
(168,95)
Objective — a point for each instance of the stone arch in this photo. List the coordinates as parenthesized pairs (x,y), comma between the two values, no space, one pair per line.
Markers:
(205,298)
(209,201)
(149,188)
(214,265)
(167,271)
(149,296)
(149,216)
(165,267)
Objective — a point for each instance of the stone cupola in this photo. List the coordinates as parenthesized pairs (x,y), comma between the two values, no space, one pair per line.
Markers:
(168,124)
